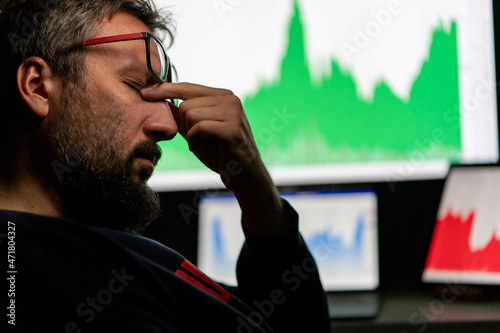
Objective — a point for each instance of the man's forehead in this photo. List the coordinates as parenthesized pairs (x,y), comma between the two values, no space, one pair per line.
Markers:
(122,23)
(127,56)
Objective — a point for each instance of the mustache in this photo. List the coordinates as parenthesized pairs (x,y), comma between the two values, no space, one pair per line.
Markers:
(149,150)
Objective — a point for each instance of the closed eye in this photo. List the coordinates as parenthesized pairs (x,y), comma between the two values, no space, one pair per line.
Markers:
(133,87)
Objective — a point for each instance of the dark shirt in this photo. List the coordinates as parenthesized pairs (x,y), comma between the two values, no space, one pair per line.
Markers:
(69,277)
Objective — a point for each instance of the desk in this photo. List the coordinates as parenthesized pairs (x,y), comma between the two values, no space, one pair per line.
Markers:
(419,312)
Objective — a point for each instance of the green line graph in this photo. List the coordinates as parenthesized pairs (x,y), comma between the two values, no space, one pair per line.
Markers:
(328,122)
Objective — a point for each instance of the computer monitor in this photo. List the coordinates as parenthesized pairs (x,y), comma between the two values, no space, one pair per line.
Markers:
(339,228)
(465,244)
(343,91)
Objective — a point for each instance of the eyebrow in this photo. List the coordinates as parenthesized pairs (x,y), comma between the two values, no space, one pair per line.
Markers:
(137,71)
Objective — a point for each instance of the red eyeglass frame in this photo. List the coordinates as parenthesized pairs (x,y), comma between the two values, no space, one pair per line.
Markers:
(146,36)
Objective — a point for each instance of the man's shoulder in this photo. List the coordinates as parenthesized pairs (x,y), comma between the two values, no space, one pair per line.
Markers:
(68,239)
(86,275)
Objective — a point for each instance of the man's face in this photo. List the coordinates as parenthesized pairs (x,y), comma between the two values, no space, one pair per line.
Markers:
(100,141)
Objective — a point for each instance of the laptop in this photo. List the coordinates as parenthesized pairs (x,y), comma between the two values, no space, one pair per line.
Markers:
(465,244)
(339,228)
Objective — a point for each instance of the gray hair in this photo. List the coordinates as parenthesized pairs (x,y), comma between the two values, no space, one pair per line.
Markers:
(41,27)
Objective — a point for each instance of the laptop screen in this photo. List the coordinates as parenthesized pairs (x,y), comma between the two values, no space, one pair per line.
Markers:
(465,244)
(340,230)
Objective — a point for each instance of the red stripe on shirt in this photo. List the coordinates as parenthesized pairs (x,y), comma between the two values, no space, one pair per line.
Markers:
(188,272)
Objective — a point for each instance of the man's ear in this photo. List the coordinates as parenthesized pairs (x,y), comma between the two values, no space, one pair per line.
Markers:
(36,85)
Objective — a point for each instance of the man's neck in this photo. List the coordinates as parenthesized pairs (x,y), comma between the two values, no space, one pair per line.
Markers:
(21,190)
(29,199)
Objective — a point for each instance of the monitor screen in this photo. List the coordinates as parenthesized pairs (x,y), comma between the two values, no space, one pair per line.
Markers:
(465,245)
(343,91)
(339,228)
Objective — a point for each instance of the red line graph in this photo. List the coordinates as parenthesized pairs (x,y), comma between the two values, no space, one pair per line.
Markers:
(450,250)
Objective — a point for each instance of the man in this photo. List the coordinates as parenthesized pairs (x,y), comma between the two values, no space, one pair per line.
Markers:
(85,84)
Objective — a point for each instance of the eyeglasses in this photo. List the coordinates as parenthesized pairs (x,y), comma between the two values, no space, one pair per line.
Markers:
(158,62)
(157,59)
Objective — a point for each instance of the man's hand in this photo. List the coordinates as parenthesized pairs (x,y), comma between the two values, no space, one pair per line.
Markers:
(218,133)
(214,125)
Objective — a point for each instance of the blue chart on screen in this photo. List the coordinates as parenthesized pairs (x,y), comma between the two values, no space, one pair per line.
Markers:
(339,228)
(224,263)
(334,254)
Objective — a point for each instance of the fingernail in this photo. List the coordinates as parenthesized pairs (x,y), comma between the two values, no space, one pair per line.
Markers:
(147,89)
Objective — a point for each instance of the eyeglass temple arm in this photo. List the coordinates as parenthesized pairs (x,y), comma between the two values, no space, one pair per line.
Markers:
(117,38)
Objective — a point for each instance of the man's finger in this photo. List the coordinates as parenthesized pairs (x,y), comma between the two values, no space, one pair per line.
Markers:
(175,113)
(182,91)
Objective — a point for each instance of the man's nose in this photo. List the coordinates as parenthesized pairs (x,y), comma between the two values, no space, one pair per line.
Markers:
(160,124)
